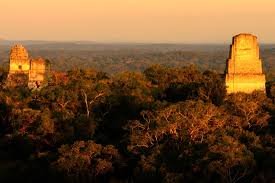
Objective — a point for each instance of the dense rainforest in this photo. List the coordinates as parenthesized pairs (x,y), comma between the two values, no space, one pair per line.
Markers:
(116,58)
(165,124)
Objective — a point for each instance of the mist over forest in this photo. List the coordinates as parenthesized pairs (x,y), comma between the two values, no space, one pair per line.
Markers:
(114,58)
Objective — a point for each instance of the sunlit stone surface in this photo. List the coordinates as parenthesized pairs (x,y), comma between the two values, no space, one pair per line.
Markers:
(19,60)
(244,71)
(37,73)
(20,63)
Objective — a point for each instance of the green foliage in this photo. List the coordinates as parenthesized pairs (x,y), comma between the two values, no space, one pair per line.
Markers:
(249,107)
(86,161)
(163,125)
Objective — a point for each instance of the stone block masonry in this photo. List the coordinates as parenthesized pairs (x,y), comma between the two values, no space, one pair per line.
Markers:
(20,63)
(244,71)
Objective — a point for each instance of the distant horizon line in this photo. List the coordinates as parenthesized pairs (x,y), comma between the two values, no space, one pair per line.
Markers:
(122,42)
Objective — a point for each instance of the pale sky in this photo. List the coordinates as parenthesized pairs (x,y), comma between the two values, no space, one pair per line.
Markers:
(171,21)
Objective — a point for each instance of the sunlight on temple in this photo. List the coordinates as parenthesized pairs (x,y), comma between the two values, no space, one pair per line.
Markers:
(244,71)
(20,63)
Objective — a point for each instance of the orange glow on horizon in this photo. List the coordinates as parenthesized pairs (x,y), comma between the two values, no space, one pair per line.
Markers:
(137,20)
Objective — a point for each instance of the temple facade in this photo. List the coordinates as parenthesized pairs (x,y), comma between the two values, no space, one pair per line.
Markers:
(21,64)
(19,60)
(244,71)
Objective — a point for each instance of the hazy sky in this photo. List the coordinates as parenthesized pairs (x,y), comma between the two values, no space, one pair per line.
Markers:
(184,21)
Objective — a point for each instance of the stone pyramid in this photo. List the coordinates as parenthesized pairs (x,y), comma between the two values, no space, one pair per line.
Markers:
(244,71)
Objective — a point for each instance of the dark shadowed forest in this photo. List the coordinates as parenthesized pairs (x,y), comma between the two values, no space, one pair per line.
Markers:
(136,114)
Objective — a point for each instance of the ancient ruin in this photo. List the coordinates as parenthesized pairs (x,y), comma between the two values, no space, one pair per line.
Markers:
(33,70)
(244,71)
(19,60)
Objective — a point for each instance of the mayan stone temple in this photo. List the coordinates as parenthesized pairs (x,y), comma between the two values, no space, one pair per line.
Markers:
(20,63)
(244,71)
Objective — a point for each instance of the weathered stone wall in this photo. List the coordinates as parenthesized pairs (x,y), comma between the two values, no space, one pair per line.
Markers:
(245,82)
(34,69)
(244,71)
(19,60)
(37,72)
(38,69)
